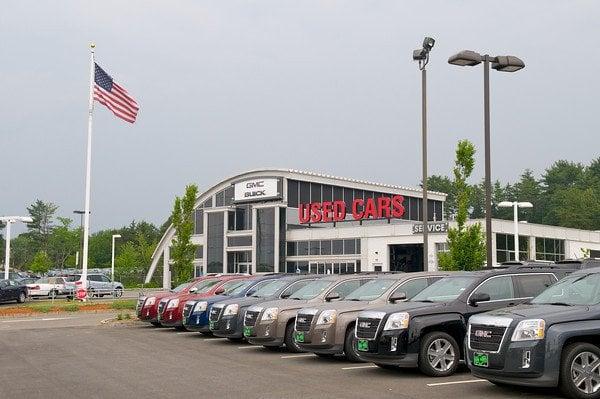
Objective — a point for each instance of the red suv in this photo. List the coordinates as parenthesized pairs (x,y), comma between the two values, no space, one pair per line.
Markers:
(170,308)
(148,309)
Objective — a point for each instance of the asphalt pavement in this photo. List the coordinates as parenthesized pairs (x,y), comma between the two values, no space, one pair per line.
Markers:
(75,356)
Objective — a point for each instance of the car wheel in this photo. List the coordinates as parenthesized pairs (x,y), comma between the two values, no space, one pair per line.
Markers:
(290,343)
(387,366)
(439,354)
(52,294)
(21,297)
(118,293)
(580,371)
(350,350)
(91,292)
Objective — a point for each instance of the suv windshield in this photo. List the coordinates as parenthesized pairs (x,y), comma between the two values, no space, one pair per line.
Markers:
(311,290)
(370,290)
(180,287)
(269,289)
(573,290)
(446,289)
(235,287)
(205,285)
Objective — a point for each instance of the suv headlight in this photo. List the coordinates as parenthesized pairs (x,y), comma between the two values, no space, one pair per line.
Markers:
(327,317)
(231,310)
(200,306)
(150,301)
(270,314)
(397,321)
(173,303)
(529,330)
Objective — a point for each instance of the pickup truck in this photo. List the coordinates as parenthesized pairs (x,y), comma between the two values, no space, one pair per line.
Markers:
(429,330)
(328,329)
(551,342)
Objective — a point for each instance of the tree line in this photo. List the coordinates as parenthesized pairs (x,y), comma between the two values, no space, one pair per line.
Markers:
(567,194)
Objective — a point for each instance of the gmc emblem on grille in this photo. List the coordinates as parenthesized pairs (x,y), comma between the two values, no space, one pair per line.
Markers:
(301,319)
(483,334)
(364,324)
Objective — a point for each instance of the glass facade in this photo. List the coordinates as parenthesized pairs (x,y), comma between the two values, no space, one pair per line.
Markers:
(265,240)
(214,242)
(240,219)
(239,241)
(349,246)
(505,247)
(549,249)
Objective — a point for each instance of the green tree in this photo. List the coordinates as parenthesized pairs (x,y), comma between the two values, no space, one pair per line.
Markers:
(41,263)
(41,227)
(576,207)
(466,243)
(63,242)
(182,249)
(444,185)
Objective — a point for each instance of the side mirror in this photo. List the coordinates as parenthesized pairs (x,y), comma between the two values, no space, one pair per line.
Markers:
(480,297)
(286,295)
(250,292)
(193,290)
(398,296)
(331,296)
(219,291)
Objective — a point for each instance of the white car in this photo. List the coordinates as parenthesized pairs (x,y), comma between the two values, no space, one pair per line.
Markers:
(48,286)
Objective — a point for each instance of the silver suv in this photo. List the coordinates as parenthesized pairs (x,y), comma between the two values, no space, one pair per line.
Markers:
(97,285)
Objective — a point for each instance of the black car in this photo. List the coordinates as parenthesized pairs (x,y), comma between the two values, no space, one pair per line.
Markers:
(226,318)
(428,331)
(551,342)
(11,290)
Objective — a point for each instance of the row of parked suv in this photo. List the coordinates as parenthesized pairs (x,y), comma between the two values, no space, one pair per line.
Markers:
(532,324)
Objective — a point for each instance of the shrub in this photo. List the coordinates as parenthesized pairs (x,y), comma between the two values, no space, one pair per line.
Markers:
(72,307)
(123,304)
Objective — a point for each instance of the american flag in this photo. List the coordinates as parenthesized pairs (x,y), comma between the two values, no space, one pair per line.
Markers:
(114,96)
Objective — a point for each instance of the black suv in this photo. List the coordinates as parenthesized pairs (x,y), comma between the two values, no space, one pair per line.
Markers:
(428,331)
(554,341)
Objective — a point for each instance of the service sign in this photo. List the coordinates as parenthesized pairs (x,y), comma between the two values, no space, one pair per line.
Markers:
(256,190)
(335,211)
(432,227)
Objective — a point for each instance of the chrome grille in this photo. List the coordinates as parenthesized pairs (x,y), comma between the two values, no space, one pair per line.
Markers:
(215,313)
(250,318)
(303,322)
(366,327)
(187,309)
(486,338)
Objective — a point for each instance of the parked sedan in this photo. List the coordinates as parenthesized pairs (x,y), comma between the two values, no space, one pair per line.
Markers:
(97,285)
(12,291)
(49,286)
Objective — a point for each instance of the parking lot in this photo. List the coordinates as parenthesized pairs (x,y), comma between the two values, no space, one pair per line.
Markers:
(75,356)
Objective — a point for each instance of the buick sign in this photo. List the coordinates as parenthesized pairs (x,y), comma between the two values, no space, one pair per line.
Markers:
(256,190)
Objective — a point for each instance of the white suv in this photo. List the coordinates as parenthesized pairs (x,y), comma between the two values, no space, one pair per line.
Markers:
(97,285)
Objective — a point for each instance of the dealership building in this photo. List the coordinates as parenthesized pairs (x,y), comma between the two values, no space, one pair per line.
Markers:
(279,220)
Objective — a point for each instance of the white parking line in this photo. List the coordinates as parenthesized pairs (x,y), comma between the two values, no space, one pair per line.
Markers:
(184,332)
(249,347)
(45,319)
(368,366)
(300,355)
(439,384)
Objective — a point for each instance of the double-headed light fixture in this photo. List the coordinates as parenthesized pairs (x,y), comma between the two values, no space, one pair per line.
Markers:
(503,63)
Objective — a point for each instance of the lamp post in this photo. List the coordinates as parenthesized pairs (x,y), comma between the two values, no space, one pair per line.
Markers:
(422,56)
(112,263)
(80,213)
(504,63)
(516,205)
(9,220)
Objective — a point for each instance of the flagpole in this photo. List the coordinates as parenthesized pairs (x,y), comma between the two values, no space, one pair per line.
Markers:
(86,217)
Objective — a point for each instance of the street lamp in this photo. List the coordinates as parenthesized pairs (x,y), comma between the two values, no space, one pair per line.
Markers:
(112,264)
(422,56)
(504,63)
(515,205)
(10,220)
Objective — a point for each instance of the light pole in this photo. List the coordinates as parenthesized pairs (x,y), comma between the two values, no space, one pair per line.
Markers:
(112,263)
(80,213)
(504,63)
(516,205)
(422,56)
(9,220)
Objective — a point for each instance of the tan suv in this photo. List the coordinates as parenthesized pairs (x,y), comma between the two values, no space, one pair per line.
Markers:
(328,329)
(271,324)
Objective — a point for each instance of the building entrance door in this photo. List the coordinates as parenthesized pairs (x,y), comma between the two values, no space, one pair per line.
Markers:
(406,258)
(239,262)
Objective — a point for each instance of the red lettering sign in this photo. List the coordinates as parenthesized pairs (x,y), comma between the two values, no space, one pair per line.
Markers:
(371,208)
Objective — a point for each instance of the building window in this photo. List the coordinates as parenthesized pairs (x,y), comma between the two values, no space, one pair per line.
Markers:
(327,193)
(291,248)
(240,219)
(505,247)
(315,248)
(326,247)
(207,203)
(350,246)
(220,199)
(337,247)
(304,192)
(549,249)
(199,252)
(441,247)
(265,240)
(292,196)
(199,221)
(315,192)
(214,241)
(229,193)
(302,248)
(239,241)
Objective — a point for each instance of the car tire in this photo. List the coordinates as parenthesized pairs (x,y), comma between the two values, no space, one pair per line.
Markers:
(118,293)
(22,297)
(290,343)
(574,355)
(91,292)
(445,352)
(350,350)
(52,294)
